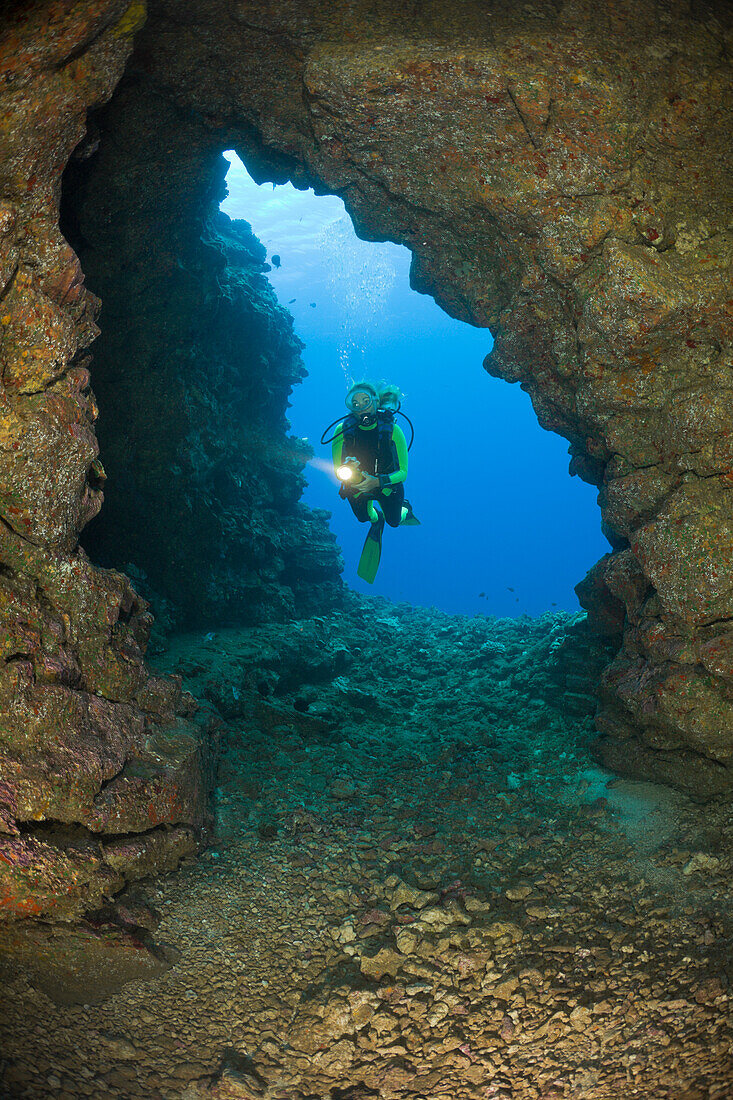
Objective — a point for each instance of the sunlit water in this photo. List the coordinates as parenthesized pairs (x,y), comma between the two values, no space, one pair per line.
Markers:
(504,530)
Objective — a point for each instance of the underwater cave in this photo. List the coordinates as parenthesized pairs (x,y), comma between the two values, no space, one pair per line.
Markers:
(485,543)
(263,834)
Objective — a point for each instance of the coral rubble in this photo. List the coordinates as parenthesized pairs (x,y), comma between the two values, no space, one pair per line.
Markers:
(405,897)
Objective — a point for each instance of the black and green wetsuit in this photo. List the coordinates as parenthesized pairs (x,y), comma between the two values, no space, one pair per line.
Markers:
(381,451)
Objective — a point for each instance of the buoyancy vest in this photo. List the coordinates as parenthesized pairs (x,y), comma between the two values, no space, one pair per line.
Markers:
(373,448)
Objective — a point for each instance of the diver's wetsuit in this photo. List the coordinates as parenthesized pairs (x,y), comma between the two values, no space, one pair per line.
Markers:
(380,452)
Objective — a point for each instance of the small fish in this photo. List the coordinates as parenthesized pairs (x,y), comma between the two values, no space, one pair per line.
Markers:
(275,260)
(509,589)
(481,594)
(292,300)
(553,604)
(313,305)
(210,636)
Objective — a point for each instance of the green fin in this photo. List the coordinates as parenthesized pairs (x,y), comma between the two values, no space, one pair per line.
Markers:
(409,519)
(372,552)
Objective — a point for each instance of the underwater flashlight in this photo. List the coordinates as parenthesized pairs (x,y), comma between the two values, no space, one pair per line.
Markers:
(350,473)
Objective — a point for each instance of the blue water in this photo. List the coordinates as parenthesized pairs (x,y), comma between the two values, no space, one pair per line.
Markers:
(499,513)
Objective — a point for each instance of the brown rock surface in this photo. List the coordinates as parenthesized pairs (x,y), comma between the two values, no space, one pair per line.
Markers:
(89,744)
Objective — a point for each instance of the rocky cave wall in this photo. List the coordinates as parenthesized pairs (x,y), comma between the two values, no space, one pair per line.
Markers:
(192,372)
(106,769)
(561,173)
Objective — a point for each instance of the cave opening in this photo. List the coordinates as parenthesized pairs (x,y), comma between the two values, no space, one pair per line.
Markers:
(196,365)
(503,529)
(194,368)
(344,715)
(520,549)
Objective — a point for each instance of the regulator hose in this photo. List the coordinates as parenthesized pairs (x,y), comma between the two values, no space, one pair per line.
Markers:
(338,419)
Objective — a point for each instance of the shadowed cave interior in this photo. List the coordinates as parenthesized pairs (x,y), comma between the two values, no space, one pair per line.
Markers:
(279,839)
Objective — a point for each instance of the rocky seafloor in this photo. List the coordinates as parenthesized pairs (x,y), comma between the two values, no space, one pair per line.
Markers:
(419,884)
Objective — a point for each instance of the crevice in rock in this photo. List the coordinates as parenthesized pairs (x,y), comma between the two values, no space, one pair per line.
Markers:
(522,119)
(10,282)
(9,527)
(85,45)
(63,833)
(717,622)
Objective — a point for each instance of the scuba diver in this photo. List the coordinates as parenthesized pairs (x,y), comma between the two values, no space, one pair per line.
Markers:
(370,458)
